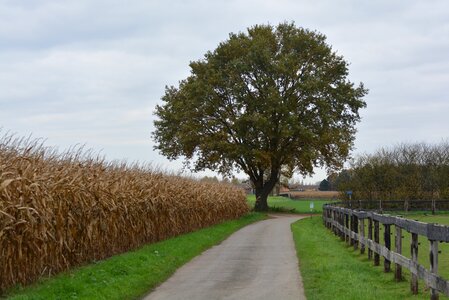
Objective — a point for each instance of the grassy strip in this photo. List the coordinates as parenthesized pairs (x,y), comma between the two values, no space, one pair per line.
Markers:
(296,206)
(132,274)
(333,270)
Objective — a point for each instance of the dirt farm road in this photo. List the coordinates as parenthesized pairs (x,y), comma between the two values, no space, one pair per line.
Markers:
(257,262)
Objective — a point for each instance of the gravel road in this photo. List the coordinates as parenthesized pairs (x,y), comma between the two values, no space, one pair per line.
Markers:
(256,262)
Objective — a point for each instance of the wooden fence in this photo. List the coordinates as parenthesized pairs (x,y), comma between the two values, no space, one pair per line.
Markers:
(349,224)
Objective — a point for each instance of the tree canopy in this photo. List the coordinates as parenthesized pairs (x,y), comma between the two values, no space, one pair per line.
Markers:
(267,101)
(402,172)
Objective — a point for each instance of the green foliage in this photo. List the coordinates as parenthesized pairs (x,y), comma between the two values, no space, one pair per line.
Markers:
(133,274)
(271,99)
(404,172)
(339,180)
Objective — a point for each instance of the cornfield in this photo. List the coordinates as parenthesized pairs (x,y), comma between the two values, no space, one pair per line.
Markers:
(62,210)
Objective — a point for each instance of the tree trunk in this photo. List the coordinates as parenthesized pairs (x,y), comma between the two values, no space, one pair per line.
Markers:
(261,200)
(263,189)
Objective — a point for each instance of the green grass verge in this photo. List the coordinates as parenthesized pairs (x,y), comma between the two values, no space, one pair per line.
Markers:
(333,270)
(132,274)
(296,206)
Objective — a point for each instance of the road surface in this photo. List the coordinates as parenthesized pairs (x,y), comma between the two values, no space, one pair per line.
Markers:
(256,262)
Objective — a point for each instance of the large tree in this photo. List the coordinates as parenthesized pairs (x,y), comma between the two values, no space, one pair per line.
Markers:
(269,101)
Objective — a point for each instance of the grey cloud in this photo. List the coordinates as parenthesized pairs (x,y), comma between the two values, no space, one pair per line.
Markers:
(92,71)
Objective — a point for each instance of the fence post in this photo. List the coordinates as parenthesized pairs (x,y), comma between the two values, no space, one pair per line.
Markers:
(434,266)
(331,217)
(351,230)
(348,235)
(338,222)
(331,225)
(387,240)
(376,240)
(324,215)
(414,254)
(370,236)
(342,223)
(398,249)
(356,230)
(362,236)
(336,230)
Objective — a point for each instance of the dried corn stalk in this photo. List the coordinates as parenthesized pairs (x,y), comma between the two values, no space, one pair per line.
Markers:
(63,210)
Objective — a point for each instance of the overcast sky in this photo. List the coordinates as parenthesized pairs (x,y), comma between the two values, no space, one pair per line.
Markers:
(92,71)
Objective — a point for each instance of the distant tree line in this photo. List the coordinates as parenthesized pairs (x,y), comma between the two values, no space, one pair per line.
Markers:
(404,172)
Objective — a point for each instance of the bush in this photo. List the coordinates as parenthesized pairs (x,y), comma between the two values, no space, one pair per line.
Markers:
(404,172)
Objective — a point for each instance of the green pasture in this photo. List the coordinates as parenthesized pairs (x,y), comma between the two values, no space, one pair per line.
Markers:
(284,204)
(331,269)
(423,248)
(133,274)
(438,217)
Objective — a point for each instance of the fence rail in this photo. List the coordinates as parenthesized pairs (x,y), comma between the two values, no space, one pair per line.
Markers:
(349,224)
